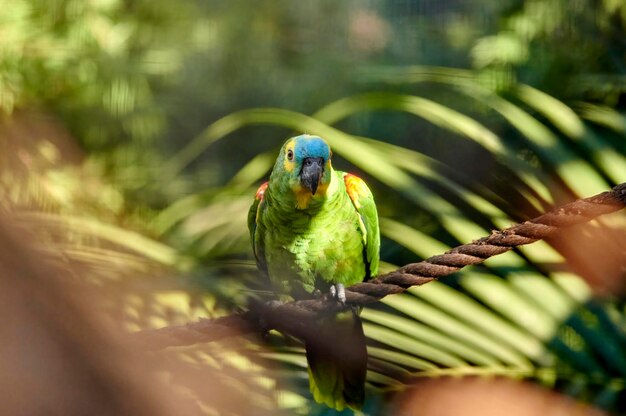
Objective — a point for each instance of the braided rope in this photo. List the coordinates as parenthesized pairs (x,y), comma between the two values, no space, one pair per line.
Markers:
(294,317)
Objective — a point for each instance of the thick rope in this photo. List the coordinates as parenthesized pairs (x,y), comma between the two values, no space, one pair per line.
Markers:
(294,318)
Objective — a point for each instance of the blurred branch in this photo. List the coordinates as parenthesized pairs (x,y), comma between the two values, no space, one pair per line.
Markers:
(296,318)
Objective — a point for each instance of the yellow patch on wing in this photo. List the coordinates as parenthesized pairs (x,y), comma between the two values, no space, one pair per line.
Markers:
(356,189)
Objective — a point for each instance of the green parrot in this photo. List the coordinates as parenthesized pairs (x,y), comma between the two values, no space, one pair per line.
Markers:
(315,229)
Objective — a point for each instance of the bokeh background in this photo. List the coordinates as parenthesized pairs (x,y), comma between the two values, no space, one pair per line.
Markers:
(133,135)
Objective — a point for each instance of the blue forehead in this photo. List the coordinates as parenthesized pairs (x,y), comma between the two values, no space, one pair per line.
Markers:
(311,146)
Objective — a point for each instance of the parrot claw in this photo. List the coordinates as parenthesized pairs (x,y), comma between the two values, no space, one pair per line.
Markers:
(338,291)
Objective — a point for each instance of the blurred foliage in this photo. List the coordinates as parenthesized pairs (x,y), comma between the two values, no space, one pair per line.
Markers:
(134,134)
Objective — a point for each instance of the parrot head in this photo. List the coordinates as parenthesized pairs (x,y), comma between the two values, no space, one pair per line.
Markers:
(303,168)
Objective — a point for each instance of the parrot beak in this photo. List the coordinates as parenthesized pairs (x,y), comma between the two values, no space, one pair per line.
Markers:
(311,173)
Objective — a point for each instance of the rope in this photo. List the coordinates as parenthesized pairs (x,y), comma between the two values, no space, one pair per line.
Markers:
(294,318)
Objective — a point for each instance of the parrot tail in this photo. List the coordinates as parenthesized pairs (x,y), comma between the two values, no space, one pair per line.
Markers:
(337,358)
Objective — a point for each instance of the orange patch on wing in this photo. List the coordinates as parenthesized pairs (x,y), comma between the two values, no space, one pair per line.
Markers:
(261,191)
(356,188)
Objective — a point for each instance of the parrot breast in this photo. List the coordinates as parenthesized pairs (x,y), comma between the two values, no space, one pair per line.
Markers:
(307,250)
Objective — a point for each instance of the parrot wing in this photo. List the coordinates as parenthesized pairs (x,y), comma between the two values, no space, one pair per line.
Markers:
(363,202)
(253,218)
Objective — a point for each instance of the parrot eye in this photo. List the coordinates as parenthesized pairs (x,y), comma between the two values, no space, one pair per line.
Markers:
(290,154)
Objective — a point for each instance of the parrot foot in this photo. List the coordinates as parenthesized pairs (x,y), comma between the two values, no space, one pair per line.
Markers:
(338,291)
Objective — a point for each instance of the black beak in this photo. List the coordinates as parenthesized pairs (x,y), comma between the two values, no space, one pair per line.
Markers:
(311,173)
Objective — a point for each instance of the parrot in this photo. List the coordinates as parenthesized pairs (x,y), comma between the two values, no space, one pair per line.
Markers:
(315,230)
